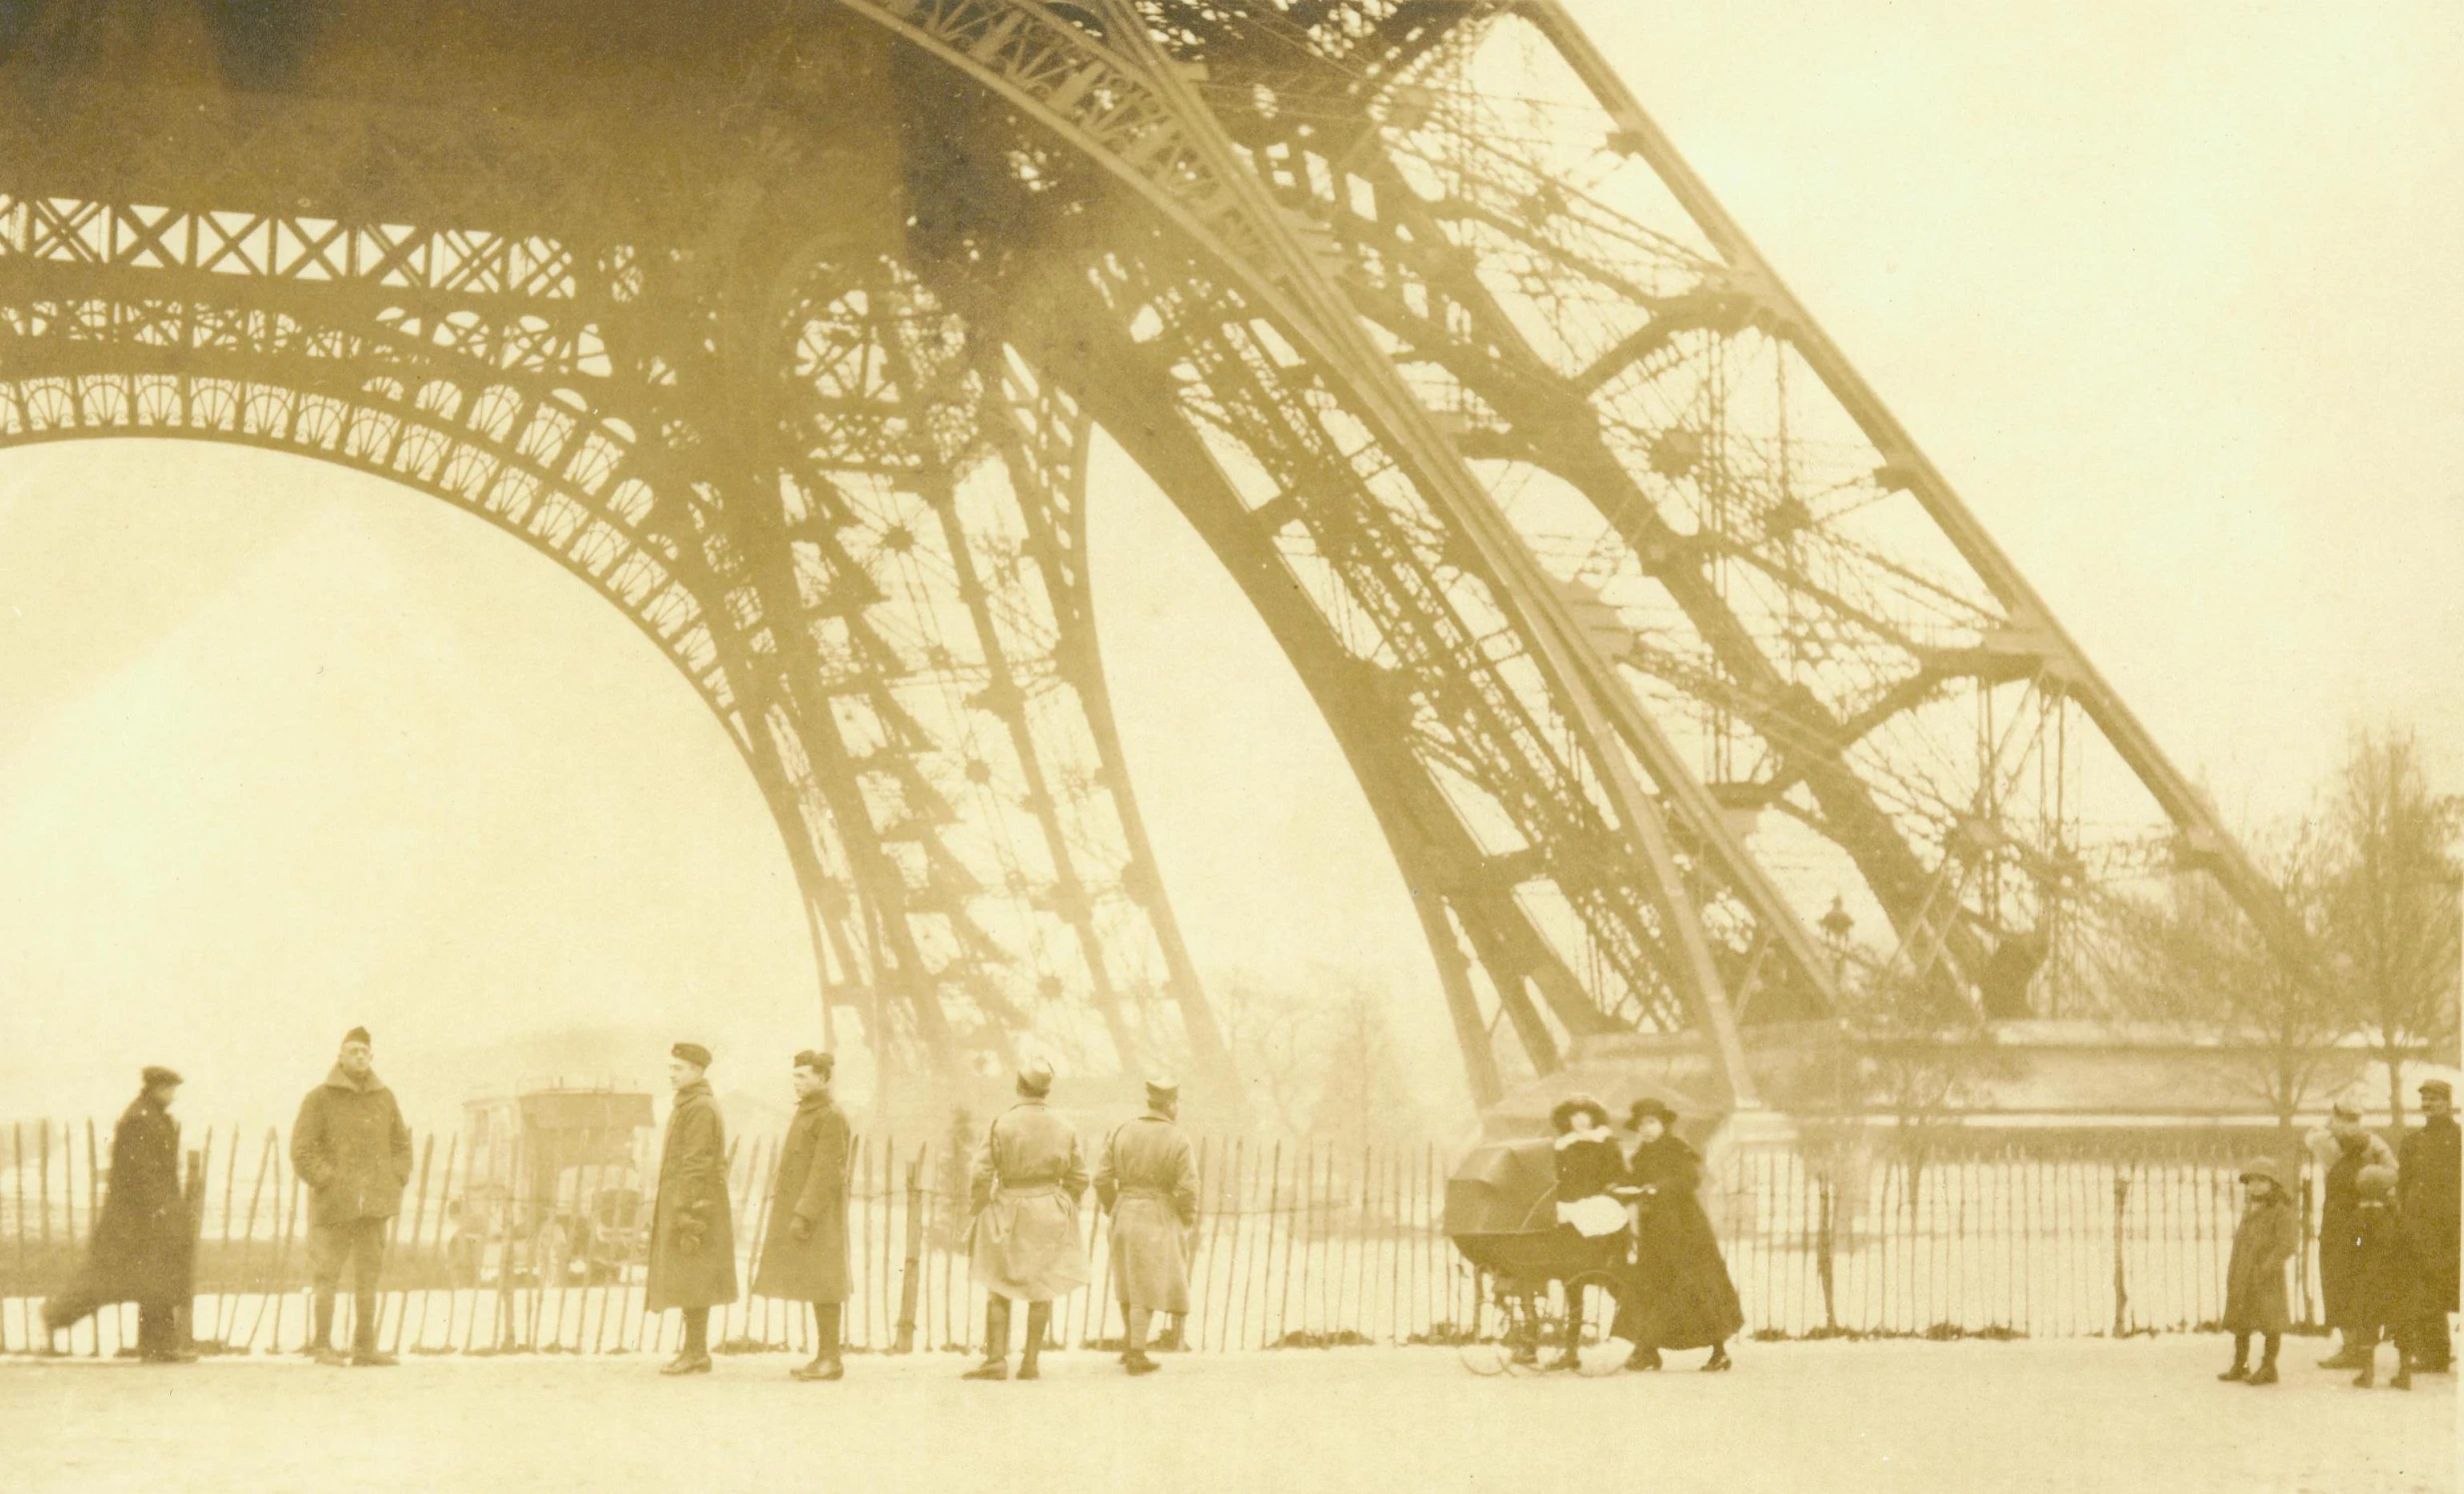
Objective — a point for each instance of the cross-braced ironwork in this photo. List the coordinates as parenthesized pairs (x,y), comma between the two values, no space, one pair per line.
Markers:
(788,328)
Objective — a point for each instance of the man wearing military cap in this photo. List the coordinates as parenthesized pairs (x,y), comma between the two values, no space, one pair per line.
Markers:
(693,1235)
(2429,1173)
(1148,1179)
(351,1149)
(804,1243)
(1025,1241)
(143,1246)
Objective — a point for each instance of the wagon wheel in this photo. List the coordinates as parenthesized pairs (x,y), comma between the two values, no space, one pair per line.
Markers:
(1599,1350)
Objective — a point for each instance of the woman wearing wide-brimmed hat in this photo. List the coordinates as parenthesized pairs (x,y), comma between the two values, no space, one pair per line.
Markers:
(1681,1296)
(1590,1175)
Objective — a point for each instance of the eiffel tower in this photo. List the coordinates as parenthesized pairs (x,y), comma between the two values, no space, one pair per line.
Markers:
(1684,689)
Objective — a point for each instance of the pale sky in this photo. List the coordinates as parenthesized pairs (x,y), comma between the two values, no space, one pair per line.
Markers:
(2167,289)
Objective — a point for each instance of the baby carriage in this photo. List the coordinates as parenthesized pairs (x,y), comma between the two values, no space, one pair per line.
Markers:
(1538,1284)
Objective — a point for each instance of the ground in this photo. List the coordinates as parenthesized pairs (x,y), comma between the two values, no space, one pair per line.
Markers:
(2070,1414)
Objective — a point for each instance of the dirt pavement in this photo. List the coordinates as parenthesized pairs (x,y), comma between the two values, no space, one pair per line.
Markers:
(2058,1415)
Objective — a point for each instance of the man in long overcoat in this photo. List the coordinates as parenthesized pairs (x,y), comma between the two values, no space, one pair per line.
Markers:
(351,1149)
(144,1246)
(2429,1173)
(2342,1148)
(804,1243)
(693,1233)
(1026,1246)
(1148,1179)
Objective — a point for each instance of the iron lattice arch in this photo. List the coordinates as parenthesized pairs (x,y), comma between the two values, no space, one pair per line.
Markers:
(1649,633)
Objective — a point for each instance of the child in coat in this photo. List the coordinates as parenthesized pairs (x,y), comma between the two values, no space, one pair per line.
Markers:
(2254,1277)
(2382,1278)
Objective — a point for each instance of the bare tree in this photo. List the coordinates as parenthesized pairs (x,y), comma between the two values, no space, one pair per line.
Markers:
(1363,1095)
(2200,957)
(1273,1032)
(2392,902)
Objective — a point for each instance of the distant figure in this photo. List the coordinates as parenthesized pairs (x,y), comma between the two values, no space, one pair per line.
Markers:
(803,1244)
(143,1249)
(1025,1234)
(1591,1177)
(1682,1296)
(1148,1180)
(2430,1172)
(693,1235)
(2342,1151)
(2380,1286)
(2269,1232)
(351,1149)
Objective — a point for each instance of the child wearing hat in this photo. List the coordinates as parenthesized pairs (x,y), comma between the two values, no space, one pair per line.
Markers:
(2254,1275)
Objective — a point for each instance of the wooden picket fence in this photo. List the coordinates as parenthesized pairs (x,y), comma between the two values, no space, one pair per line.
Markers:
(1298,1244)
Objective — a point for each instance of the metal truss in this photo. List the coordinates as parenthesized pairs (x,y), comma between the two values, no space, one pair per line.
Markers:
(1647,630)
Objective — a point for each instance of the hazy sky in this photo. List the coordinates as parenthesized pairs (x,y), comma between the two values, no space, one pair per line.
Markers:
(2167,289)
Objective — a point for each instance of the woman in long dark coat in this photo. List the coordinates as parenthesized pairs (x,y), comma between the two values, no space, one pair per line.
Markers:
(1681,1297)
(144,1248)
(804,1243)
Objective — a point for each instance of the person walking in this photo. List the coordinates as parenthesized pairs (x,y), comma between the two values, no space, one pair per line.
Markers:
(693,1234)
(804,1243)
(2254,1302)
(1683,1297)
(1148,1179)
(143,1249)
(2341,1149)
(1024,1238)
(351,1149)
(2429,1173)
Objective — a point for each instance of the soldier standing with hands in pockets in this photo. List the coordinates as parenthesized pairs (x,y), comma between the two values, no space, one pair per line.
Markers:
(351,1149)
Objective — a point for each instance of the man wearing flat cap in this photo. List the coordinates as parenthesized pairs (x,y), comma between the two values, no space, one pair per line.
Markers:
(351,1149)
(2429,1173)
(143,1248)
(693,1235)
(2342,1148)
(804,1243)
(1148,1179)
(1025,1241)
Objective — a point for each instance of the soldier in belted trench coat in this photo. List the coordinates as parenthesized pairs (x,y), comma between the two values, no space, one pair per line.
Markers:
(1025,1237)
(143,1249)
(693,1235)
(1148,1179)
(804,1243)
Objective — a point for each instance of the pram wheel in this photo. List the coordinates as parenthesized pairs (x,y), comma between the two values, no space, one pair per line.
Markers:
(1597,1348)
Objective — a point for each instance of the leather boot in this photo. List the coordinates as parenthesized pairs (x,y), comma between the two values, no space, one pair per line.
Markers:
(1038,1315)
(996,1365)
(826,1364)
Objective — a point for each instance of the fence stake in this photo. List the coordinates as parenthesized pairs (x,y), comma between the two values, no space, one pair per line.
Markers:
(2121,1287)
